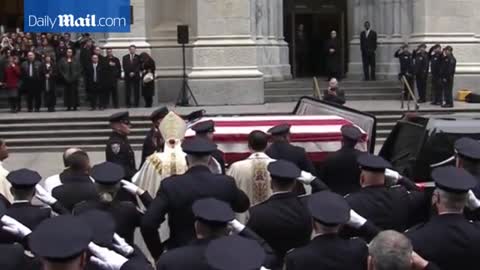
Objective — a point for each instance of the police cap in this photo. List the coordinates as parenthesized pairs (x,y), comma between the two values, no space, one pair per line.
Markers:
(454,180)
(213,210)
(24,178)
(282,169)
(159,114)
(108,173)
(60,238)
(468,148)
(329,208)
(204,127)
(198,146)
(373,163)
(123,117)
(281,129)
(234,253)
(351,132)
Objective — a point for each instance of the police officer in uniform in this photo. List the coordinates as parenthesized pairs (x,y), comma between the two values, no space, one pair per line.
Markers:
(206,129)
(421,71)
(447,74)
(328,250)
(435,57)
(153,141)
(340,170)
(406,66)
(283,213)
(388,207)
(212,218)
(118,148)
(108,179)
(177,194)
(448,239)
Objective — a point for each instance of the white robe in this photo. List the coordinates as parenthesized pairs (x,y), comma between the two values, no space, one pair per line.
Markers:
(159,166)
(251,176)
(4,184)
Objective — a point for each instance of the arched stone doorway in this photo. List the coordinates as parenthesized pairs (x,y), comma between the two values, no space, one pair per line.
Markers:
(319,18)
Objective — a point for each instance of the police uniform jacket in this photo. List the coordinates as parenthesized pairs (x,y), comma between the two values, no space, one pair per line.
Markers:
(120,152)
(449,241)
(386,207)
(126,215)
(340,171)
(283,221)
(406,64)
(286,151)
(175,198)
(447,68)
(421,64)
(149,147)
(435,63)
(329,251)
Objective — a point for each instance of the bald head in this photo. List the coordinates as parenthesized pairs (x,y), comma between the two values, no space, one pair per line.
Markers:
(68,153)
(390,250)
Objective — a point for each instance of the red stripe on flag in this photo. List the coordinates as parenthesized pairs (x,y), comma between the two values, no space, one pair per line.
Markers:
(303,137)
(263,123)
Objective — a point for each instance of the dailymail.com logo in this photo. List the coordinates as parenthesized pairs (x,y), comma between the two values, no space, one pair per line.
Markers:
(77,16)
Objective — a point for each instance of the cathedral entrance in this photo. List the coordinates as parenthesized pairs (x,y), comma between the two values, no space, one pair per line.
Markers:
(307,28)
(11,15)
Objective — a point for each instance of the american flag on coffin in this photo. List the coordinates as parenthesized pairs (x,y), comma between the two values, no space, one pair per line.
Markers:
(318,134)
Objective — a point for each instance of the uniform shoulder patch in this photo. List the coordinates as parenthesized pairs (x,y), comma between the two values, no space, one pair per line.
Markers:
(115,147)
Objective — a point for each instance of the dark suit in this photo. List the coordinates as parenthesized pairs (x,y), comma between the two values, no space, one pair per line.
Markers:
(132,83)
(27,214)
(450,241)
(49,84)
(421,65)
(435,65)
(283,221)
(95,83)
(329,252)
(150,146)
(113,71)
(70,73)
(368,46)
(340,171)
(30,84)
(175,198)
(126,215)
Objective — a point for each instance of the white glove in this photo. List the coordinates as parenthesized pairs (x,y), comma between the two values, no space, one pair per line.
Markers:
(472,201)
(130,187)
(236,225)
(392,175)
(122,246)
(14,227)
(356,221)
(44,196)
(306,178)
(105,258)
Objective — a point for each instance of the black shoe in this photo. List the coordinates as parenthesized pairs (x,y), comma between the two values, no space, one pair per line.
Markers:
(37,110)
(421,101)
(69,109)
(92,109)
(30,110)
(447,106)
(75,109)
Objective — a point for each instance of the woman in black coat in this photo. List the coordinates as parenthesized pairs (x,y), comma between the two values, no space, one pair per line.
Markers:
(148,86)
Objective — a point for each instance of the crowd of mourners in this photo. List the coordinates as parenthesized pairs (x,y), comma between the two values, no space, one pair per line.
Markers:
(41,67)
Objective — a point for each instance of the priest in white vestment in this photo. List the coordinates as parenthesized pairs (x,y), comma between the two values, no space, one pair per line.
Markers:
(172,161)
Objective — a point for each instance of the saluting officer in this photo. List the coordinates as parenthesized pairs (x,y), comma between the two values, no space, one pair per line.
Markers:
(206,129)
(177,194)
(447,74)
(108,179)
(118,148)
(421,71)
(387,207)
(212,218)
(283,214)
(340,170)
(435,56)
(154,141)
(328,250)
(406,66)
(448,239)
